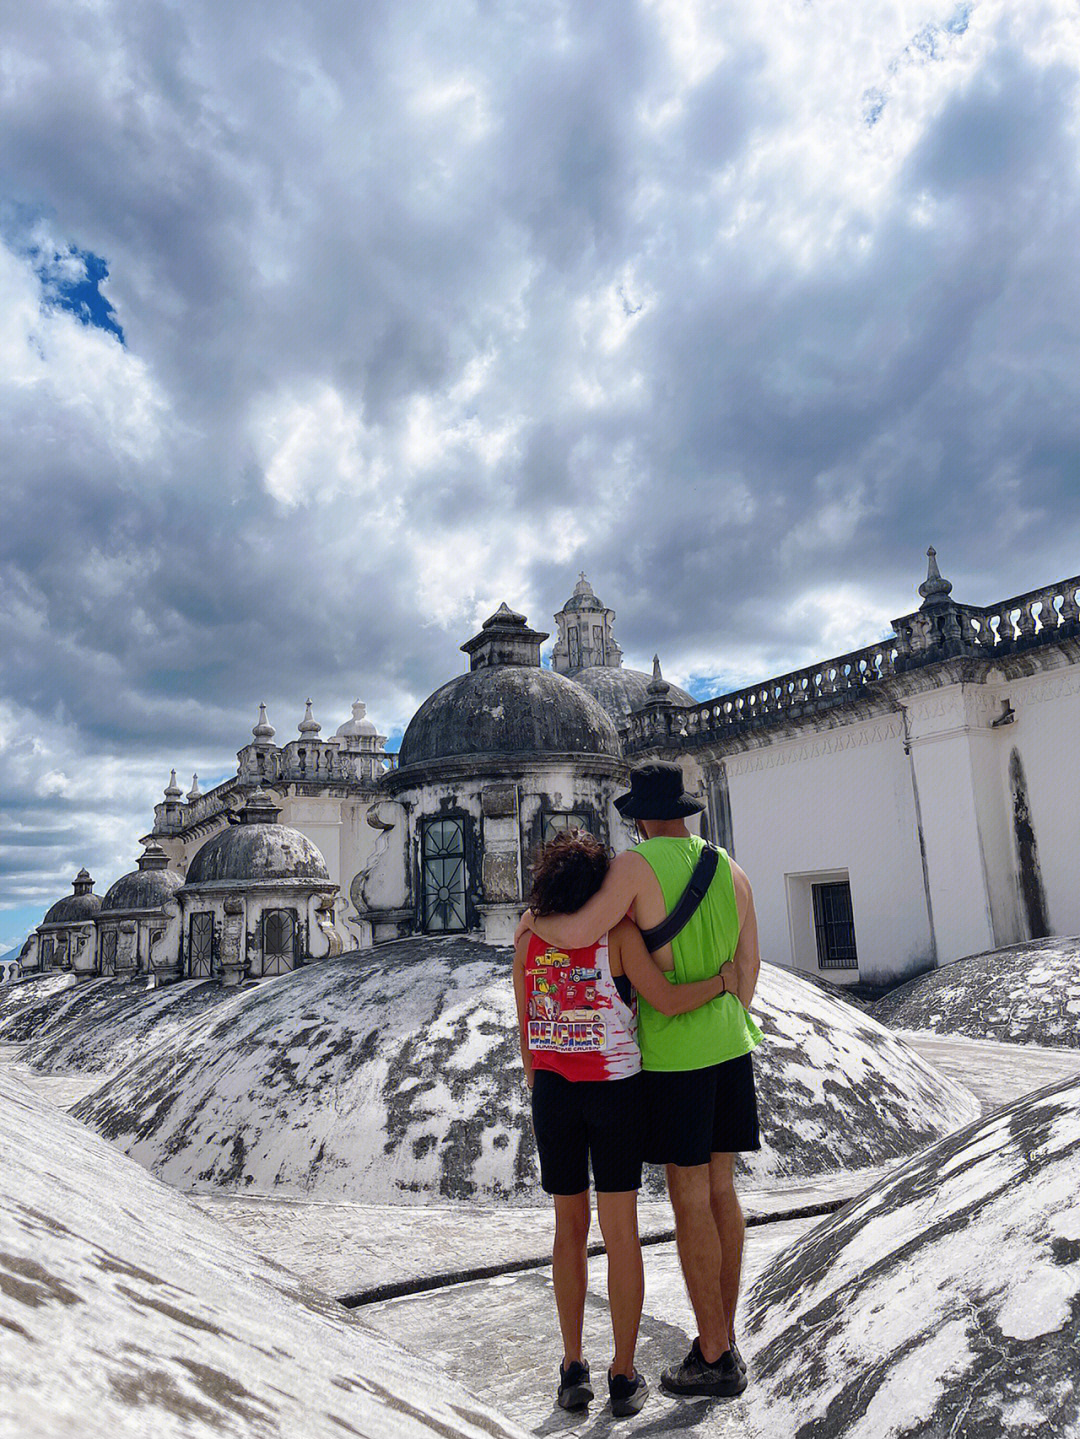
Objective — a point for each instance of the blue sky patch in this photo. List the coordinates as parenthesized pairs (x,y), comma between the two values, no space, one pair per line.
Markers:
(72,280)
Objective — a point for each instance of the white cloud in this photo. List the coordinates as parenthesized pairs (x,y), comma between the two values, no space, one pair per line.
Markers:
(737,307)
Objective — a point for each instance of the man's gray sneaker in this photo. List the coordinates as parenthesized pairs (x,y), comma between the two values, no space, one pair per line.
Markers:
(627,1395)
(695,1375)
(575,1387)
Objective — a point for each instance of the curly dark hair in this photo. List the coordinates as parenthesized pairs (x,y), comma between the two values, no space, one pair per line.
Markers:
(567,871)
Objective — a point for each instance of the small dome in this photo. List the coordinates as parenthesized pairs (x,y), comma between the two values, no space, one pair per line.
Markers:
(149,886)
(72,908)
(358,725)
(508,709)
(257,849)
(623,692)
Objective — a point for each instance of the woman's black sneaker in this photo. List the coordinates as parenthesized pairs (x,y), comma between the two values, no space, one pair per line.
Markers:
(575,1390)
(627,1395)
(722,1379)
(739,1360)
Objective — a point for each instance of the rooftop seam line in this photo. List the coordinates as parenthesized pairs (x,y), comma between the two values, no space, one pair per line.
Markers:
(402,1288)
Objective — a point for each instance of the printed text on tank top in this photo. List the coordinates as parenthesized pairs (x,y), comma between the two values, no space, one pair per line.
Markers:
(576,1022)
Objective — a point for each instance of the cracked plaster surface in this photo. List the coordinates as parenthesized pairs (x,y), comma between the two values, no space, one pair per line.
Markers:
(120,1300)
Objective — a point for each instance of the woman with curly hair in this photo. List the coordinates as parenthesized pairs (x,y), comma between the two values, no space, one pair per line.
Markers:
(577,1018)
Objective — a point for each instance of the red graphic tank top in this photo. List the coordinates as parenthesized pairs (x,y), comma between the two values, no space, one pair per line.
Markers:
(576,1021)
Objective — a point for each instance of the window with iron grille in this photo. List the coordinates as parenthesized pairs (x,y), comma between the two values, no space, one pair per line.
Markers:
(834,926)
(556,822)
(201,945)
(48,952)
(279,941)
(108,951)
(443,875)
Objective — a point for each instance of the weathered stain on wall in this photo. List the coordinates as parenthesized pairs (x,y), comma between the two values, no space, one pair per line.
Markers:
(1029,875)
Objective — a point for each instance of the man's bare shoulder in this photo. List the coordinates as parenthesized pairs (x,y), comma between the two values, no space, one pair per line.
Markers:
(628,862)
(739,879)
(744,894)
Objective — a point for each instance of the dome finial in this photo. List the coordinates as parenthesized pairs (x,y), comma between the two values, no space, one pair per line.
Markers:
(263,730)
(309,726)
(194,792)
(934,586)
(172,789)
(658,686)
(261,807)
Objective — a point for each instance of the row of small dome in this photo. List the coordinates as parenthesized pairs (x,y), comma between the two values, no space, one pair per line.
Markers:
(255,850)
(151,884)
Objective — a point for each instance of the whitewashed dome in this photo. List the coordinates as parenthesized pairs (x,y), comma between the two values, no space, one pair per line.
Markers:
(622,692)
(131,1313)
(943,1301)
(83,904)
(508,705)
(1026,993)
(359,726)
(410,1091)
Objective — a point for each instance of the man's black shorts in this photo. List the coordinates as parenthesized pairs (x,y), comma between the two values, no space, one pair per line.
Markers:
(574,1120)
(693,1113)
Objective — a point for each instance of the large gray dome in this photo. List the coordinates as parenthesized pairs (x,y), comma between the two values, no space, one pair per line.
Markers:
(622,692)
(256,852)
(72,908)
(508,709)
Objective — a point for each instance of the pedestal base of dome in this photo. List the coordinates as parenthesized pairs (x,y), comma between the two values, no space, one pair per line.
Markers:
(500,922)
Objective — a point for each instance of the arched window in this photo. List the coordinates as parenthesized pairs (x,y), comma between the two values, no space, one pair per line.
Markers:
(556,822)
(279,941)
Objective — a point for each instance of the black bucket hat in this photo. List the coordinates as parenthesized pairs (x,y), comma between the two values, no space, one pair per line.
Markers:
(656,792)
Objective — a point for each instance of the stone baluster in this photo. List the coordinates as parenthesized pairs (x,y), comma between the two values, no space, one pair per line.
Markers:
(1025,620)
(1070,610)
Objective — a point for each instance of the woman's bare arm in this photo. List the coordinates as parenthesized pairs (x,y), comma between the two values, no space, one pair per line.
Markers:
(598,915)
(650,981)
(520,951)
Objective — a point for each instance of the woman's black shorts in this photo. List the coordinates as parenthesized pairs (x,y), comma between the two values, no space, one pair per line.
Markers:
(694,1113)
(576,1120)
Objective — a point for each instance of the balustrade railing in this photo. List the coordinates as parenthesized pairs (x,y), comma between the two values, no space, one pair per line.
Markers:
(1037,617)
(209,804)
(1041,616)
(787,695)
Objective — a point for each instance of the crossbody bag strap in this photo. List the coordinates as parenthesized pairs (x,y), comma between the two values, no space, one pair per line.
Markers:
(691,897)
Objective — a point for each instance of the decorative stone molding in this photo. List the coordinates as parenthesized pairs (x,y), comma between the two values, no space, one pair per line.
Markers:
(829,742)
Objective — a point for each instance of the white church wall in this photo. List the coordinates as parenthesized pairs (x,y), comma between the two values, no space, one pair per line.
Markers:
(319,819)
(941,727)
(835,804)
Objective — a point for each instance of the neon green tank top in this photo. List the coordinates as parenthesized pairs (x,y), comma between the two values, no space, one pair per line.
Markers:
(721,1029)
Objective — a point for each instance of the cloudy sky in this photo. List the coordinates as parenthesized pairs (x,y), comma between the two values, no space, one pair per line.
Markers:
(325,327)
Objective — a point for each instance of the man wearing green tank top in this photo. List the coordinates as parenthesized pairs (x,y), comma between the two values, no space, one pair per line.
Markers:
(699,1073)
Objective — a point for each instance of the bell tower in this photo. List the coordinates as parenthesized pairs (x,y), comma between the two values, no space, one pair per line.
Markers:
(586,638)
